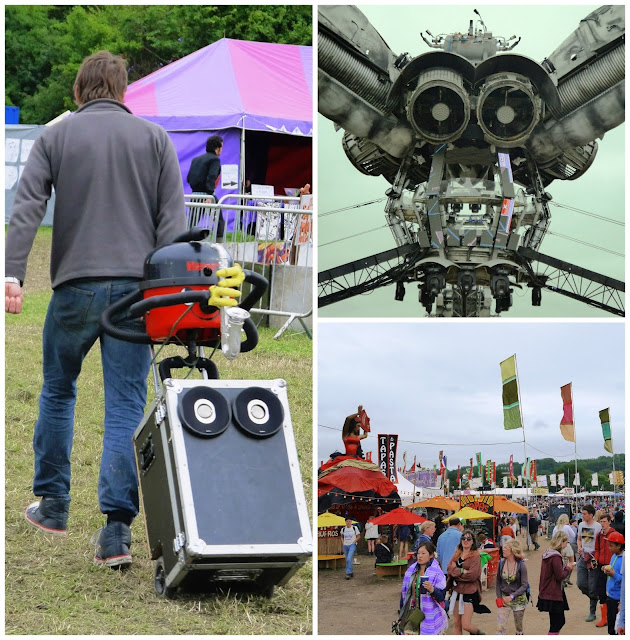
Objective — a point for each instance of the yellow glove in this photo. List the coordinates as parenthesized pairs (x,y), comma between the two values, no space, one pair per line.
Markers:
(235,276)
(222,294)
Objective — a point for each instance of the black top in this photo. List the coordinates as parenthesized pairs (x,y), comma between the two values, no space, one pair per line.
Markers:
(204,171)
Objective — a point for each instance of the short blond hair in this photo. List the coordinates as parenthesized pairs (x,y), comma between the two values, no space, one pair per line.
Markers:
(559,537)
(425,525)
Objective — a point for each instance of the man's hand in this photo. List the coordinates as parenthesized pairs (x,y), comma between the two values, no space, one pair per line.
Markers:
(13,297)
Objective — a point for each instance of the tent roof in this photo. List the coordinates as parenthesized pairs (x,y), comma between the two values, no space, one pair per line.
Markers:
(231,83)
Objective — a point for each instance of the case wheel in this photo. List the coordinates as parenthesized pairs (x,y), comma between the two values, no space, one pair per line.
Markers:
(159,580)
(266,591)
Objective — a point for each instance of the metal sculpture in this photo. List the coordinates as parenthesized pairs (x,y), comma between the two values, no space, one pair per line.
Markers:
(470,135)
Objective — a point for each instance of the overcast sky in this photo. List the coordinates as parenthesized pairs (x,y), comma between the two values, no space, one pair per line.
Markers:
(600,191)
(440,383)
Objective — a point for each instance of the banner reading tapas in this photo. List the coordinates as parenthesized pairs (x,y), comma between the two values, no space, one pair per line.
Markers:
(387,445)
(484,504)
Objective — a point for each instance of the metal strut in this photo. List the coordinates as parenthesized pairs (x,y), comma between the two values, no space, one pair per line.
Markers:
(366,274)
(575,282)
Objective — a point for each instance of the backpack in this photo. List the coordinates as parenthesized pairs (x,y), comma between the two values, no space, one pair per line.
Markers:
(527,590)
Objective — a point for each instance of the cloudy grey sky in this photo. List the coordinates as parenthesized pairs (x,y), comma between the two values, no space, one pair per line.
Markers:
(600,191)
(439,383)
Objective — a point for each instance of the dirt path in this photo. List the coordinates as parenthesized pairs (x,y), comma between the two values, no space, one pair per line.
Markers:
(366,605)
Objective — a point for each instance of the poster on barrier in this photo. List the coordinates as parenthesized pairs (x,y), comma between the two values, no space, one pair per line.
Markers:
(273,253)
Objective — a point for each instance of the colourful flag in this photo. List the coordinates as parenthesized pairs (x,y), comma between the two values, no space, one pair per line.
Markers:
(505,482)
(458,476)
(479,465)
(511,402)
(526,469)
(561,482)
(519,482)
(594,481)
(532,471)
(604,418)
(576,480)
(471,473)
(488,471)
(567,427)
(552,480)
(511,467)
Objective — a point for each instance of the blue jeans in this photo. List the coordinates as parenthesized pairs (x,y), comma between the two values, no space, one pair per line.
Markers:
(70,330)
(348,551)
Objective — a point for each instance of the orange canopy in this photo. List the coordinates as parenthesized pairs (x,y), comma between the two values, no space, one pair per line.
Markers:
(437,502)
(507,506)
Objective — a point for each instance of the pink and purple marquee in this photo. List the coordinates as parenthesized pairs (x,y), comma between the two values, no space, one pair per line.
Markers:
(252,92)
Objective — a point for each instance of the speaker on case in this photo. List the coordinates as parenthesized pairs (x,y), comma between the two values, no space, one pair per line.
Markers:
(221,488)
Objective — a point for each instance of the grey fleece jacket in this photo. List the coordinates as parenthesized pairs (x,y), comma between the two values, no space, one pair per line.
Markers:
(119,195)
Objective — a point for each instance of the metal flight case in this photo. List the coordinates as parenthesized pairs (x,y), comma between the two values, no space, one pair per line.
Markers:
(223,500)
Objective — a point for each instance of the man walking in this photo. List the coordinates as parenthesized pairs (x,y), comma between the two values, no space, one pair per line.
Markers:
(204,173)
(534,524)
(587,569)
(448,541)
(350,536)
(118,196)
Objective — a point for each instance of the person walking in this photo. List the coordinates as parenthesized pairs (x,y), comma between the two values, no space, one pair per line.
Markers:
(119,195)
(424,589)
(602,555)
(404,535)
(371,535)
(551,596)
(203,176)
(569,552)
(587,571)
(448,541)
(614,574)
(464,571)
(511,588)
(350,535)
(533,526)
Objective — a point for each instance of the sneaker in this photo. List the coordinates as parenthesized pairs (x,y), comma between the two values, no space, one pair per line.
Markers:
(49,515)
(348,576)
(112,545)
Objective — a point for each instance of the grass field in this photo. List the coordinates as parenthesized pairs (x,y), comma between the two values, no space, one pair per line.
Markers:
(51,585)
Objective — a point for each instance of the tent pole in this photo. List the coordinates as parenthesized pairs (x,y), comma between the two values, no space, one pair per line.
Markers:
(242,159)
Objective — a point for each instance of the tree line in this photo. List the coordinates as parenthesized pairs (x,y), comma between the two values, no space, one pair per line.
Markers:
(45,44)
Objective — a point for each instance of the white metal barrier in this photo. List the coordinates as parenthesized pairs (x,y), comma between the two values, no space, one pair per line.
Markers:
(275,241)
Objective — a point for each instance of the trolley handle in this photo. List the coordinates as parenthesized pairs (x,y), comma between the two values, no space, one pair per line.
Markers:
(196,234)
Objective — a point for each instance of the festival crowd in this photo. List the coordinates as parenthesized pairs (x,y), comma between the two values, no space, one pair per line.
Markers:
(443,580)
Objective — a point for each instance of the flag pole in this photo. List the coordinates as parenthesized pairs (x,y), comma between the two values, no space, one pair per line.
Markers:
(612,446)
(526,474)
(575,447)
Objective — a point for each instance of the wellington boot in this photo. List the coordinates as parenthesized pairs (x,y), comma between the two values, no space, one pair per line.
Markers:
(604,621)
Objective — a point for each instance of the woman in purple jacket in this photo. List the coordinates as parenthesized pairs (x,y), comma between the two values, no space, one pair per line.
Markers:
(551,596)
